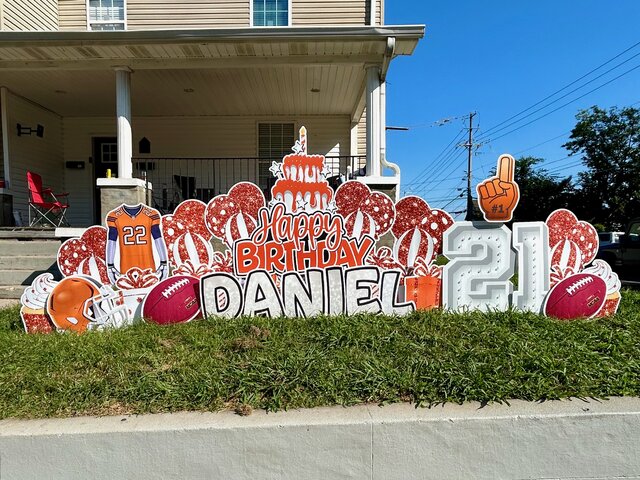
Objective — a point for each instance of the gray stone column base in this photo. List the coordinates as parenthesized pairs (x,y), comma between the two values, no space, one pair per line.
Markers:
(116,191)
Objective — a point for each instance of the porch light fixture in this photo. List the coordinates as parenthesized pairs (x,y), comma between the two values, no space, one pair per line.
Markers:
(188,90)
(22,130)
(315,90)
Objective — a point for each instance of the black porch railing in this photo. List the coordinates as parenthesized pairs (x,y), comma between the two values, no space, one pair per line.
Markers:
(177,179)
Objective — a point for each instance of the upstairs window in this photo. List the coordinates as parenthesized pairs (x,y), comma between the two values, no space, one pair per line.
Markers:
(106,14)
(271,13)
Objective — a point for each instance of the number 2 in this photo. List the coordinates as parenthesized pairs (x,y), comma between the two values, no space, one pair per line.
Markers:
(481,264)
(134,235)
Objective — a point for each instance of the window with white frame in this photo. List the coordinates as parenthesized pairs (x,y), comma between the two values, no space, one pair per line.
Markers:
(271,13)
(106,14)
(274,142)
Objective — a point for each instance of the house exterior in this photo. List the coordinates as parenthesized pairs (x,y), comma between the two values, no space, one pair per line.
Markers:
(189,97)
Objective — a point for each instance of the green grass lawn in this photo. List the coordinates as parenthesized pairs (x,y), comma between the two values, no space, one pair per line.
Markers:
(287,363)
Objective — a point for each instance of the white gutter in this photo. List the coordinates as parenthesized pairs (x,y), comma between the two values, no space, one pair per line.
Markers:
(127,37)
(388,56)
(372,12)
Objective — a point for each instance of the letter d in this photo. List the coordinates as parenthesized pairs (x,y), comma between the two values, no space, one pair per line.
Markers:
(221,295)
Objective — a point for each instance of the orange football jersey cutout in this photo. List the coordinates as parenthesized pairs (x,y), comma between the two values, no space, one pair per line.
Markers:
(135,240)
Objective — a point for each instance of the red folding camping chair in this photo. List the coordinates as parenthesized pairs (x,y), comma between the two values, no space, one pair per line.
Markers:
(46,207)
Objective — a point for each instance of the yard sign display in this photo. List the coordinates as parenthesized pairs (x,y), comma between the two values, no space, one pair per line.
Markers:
(311,251)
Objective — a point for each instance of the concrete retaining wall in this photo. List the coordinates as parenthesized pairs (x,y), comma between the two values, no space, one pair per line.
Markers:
(569,439)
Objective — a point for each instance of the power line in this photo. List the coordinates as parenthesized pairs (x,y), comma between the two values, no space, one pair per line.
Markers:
(427,182)
(564,96)
(454,190)
(569,85)
(437,175)
(437,123)
(444,199)
(459,209)
(458,197)
(456,167)
(483,165)
(470,146)
(425,170)
(448,189)
(545,163)
(428,171)
(566,104)
(542,143)
(558,169)
(564,168)
(441,171)
(445,162)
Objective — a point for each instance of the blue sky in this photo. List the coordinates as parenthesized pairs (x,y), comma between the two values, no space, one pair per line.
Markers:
(498,58)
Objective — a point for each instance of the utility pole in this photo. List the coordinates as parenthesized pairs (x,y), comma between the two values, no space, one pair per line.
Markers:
(469,145)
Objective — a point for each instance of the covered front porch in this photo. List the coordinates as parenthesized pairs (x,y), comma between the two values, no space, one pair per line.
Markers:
(190,114)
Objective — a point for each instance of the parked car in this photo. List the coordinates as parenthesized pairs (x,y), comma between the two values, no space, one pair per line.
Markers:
(607,238)
(624,255)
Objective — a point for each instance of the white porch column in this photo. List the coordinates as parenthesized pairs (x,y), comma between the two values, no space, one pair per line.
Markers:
(383,124)
(123,111)
(353,140)
(4,130)
(374,124)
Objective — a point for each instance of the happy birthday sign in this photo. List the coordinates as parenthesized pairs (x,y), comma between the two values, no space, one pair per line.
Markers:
(312,251)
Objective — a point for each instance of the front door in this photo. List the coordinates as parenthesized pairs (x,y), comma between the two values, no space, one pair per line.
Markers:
(105,157)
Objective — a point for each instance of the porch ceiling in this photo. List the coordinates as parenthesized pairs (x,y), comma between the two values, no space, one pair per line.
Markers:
(278,90)
(199,48)
(244,71)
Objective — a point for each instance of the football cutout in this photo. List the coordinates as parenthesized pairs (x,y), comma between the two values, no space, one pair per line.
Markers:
(578,296)
(174,300)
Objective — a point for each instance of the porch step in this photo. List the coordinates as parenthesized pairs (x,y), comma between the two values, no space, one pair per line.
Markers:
(11,292)
(20,277)
(26,248)
(28,233)
(27,263)
(22,260)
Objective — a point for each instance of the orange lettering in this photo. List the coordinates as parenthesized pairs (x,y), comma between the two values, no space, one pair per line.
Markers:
(246,257)
(361,251)
(274,252)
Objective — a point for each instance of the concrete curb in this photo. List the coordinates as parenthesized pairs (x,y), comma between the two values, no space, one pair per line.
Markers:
(567,439)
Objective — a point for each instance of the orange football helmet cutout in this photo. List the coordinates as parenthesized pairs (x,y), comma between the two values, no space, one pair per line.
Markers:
(80,303)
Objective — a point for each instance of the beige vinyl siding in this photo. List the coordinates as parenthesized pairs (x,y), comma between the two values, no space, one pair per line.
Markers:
(362,134)
(29,152)
(72,14)
(167,14)
(172,14)
(210,137)
(333,12)
(29,15)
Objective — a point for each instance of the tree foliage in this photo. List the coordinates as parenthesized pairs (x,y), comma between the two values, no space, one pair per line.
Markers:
(540,192)
(609,143)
